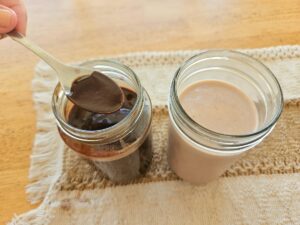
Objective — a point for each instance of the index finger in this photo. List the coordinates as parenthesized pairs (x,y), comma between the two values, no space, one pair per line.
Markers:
(19,8)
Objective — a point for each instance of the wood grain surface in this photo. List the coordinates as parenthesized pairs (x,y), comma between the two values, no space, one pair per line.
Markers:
(77,29)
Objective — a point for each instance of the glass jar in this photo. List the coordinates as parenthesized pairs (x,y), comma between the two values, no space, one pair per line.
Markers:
(198,154)
(123,151)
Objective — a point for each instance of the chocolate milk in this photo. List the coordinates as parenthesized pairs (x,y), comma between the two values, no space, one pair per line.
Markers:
(217,106)
(220,107)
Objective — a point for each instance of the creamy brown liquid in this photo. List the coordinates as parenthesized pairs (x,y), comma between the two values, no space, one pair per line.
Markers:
(217,106)
(220,107)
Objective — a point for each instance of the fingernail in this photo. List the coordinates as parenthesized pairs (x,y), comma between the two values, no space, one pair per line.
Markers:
(5,18)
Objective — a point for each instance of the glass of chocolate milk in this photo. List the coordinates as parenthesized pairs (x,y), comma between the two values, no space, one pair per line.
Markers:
(118,143)
(221,105)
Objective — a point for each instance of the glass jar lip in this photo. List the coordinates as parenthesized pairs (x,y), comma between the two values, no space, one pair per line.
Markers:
(123,122)
(220,52)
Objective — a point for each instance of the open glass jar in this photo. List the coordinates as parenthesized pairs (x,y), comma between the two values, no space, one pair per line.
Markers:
(198,154)
(122,151)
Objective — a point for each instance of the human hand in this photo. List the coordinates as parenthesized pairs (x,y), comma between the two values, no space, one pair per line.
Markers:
(12,16)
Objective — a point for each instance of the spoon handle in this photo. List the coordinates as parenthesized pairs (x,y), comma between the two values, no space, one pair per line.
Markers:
(62,70)
(49,59)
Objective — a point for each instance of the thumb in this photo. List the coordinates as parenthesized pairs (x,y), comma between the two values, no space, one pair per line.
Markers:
(8,19)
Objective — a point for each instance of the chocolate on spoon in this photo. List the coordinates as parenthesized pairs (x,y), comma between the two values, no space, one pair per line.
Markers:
(96,93)
(92,91)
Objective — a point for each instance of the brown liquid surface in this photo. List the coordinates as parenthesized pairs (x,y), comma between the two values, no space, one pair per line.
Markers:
(86,120)
(96,93)
(220,107)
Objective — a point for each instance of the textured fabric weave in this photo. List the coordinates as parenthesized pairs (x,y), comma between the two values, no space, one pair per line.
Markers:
(261,188)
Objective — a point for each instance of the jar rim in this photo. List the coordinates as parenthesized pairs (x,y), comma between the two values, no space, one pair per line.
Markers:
(94,135)
(222,53)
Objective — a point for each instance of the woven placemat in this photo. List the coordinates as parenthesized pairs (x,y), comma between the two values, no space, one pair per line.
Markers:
(60,173)
(279,153)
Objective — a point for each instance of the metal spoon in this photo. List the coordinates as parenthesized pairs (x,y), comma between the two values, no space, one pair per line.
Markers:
(68,74)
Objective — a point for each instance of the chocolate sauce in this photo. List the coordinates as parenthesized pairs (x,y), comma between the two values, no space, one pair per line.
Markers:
(86,120)
(96,93)
(124,169)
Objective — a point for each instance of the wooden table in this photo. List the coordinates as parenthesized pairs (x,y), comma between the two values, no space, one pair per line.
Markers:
(77,29)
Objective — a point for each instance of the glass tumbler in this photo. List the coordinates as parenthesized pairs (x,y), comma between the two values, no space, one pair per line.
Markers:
(199,155)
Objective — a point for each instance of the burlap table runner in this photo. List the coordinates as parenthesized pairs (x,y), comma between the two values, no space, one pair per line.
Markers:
(261,188)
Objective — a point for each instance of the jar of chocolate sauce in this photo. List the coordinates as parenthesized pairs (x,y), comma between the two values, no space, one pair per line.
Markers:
(118,143)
